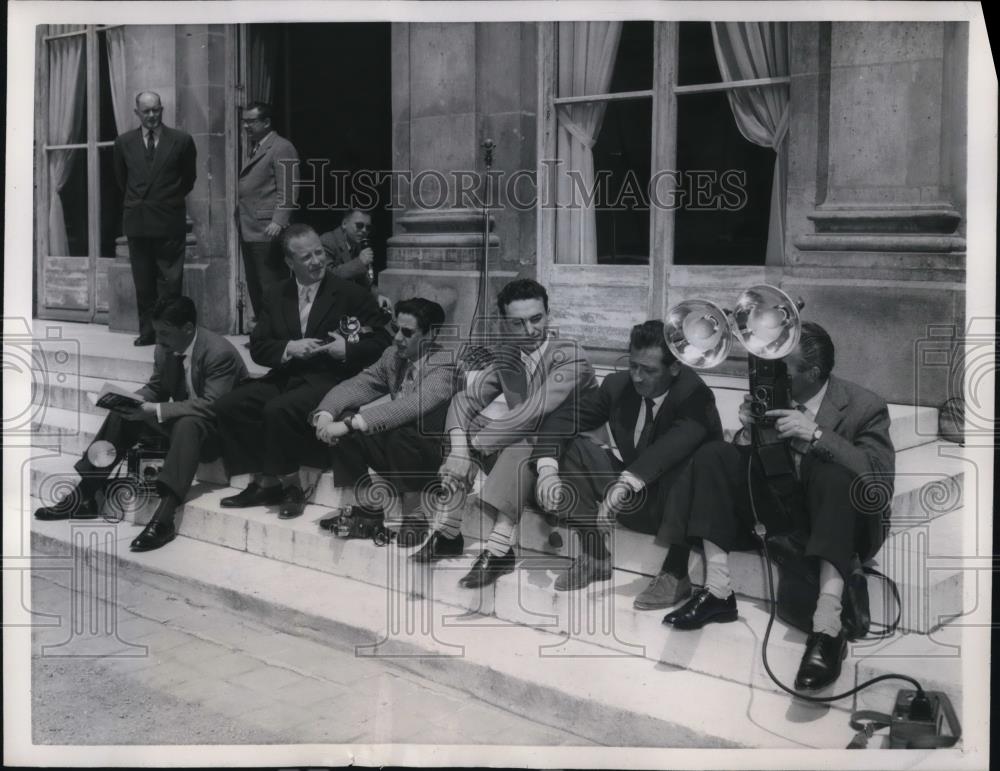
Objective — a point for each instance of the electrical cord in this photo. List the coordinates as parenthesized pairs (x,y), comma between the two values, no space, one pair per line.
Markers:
(761,532)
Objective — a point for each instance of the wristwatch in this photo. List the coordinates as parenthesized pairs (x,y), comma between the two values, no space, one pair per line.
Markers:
(816,436)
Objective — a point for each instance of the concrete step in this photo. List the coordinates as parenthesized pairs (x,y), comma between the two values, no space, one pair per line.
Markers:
(620,700)
(79,396)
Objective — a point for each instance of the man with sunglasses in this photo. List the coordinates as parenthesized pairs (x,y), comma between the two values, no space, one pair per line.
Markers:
(400,439)
(347,247)
(266,192)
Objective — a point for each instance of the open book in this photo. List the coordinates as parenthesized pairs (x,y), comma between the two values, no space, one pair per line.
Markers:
(114,397)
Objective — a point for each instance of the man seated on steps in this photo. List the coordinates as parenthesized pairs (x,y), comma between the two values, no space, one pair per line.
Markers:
(838,434)
(401,440)
(659,413)
(536,372)
(314,331)
(192,367)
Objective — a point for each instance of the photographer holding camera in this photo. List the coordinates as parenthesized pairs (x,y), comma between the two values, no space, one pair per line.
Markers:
(836,432)
(349,248)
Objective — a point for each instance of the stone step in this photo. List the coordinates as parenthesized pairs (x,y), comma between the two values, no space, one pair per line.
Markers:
(532,671)
(79,396)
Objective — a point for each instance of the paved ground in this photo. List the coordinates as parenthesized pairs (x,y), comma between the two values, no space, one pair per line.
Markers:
(180,672)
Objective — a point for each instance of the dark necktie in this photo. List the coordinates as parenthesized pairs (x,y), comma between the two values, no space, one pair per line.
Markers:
(181,391)
(647,428)
(150,147)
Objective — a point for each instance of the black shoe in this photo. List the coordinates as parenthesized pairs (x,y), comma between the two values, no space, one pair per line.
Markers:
(438,547)
(703,608)
(820,664)
(254,495)
(143,340)
(412,533)
(74,505)
(487,569)
(293,503)
(160,530)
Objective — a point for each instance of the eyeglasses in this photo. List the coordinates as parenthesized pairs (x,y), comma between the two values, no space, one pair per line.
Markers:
(362,226)
(251,121)
(407,333)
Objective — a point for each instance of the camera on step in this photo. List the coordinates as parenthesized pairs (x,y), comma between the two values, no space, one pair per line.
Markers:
(144,462)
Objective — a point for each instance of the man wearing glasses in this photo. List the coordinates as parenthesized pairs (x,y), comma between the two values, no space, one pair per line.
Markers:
(399,438)
(266,194)
(350,253)
(537,373)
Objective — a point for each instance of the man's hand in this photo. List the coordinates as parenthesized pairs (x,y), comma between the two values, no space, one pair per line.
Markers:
(145,411)
(367,256)
(330,433)
(548,489)
(792,424)
(273,230)
(614,501)
(746,418)
(359,423)
(304,348)
(336,347)
(454,472)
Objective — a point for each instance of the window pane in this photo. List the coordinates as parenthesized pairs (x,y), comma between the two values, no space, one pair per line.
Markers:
(106,105)
(579,62)
(696,57)
(621,163)
(634,62)
(111,203)
(67,92)
(67,203)
(724,198)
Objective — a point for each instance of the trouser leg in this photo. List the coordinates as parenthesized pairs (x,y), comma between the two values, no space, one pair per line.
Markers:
(191,439)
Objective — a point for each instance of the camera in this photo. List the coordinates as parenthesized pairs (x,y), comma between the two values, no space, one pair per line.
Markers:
(769,388)
(144,463)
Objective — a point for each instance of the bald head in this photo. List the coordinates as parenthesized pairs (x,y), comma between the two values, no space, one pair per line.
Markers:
(149,108)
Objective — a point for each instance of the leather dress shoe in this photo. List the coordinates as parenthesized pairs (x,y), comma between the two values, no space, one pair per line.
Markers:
(487,569)
(254,495)
(293,503)
(703,608)
(664,591)
(439,547)
(143,340)
(584,571)
(820,665)
(74,505)
(157,533)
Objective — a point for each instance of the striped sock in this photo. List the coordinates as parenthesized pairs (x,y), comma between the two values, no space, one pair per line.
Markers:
(449,522)
(500,540)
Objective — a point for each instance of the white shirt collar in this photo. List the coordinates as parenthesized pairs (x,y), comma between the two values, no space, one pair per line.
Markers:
(187,351)
(533,359)
(813,404)
(300,286)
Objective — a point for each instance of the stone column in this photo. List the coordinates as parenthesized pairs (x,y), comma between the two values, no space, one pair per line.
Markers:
(453,86)
(876,231)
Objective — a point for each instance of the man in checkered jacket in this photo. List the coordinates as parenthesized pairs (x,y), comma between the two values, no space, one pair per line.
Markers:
(399,438)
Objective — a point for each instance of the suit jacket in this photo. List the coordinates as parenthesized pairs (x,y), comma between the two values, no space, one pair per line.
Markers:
(154,194)
(686,419)
(563,375)
(266,187)
(278,324)
(430,385)
(344,260)
(216,368)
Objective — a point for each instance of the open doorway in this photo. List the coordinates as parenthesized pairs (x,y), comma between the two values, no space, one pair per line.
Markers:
(330,87)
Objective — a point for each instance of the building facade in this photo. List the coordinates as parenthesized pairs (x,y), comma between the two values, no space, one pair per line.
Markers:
(636,164)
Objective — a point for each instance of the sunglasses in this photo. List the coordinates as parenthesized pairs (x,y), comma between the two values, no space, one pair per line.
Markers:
(407,333)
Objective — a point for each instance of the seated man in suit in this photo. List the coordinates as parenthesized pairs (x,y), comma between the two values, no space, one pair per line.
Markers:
(400,439)
(192,368)
(659,413)
(838,437)
(536,372)
(314,331)
(347,246)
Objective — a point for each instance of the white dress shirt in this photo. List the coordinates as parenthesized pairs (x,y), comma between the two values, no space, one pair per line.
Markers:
(186,364)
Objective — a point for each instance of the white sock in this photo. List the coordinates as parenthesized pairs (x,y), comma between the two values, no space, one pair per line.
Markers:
(826,617)
(502,537)
(717,571)
(449,522)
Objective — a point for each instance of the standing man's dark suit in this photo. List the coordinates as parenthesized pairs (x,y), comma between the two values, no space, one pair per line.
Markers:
(155,182)
(264,423)
(686,419)
(266,192)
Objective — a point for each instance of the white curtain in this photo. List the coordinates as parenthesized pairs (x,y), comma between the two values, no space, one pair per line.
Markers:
(66,95)
(747,51)
(121,101)
(260,63)
(587,52)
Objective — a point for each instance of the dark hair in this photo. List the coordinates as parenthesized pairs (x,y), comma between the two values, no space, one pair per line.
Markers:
(351,212)
(649,334)
(429,315)
(521,289)
(292,232)
(262,107)
(175,311)
(816,348)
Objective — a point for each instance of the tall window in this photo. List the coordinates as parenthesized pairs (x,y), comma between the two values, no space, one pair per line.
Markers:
(83,81)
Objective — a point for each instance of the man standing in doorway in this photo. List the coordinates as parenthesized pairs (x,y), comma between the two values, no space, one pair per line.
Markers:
(266,201)
(155,168)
